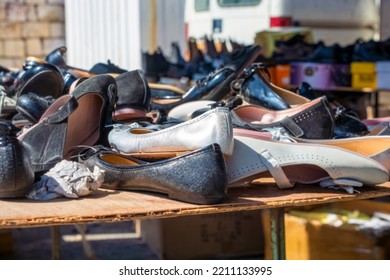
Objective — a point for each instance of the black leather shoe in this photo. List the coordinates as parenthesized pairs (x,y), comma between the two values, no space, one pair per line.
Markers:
(255,88)
(17,176)
(213,87)
(197,177)
(40,78)
(216,85)
(32,106)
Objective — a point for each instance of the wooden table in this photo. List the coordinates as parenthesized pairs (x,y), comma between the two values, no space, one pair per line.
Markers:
(116,206)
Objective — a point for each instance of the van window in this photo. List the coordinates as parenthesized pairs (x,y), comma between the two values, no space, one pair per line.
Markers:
(202,5)
(233,3)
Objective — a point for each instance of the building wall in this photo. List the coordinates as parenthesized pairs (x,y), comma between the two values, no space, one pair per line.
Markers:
(30,28)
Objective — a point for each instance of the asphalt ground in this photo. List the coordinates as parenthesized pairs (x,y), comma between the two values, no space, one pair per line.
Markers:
(107,241)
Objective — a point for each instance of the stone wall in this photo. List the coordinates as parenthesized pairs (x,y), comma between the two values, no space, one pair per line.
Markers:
(30,28)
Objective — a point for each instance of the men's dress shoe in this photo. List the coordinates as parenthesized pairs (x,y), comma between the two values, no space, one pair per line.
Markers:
(214,126)
(17,176)
(56,57)
(255,88)
(312,120)
(196,177)
(255,156)
(32,106)
(216,85)
(40,78)
(133,96)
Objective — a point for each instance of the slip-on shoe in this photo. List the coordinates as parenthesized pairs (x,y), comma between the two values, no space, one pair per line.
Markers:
(214,126)
(197,177)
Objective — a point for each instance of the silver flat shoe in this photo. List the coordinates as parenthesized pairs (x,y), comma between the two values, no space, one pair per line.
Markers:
(214,126)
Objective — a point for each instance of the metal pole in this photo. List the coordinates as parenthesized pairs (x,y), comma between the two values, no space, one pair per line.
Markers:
(278,245)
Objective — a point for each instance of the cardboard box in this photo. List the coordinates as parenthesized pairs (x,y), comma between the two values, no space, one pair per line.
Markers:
(382,69)
(318,75)
(363,74)
(209,236)
(313,240)
(282,75)
(267,38)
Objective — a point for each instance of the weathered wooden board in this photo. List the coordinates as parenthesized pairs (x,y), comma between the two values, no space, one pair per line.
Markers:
(114,206)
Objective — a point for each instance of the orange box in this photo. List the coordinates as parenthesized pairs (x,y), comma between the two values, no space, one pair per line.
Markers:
(282,75)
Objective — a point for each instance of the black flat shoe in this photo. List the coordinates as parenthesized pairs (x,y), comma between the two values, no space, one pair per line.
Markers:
(17,176)
(32,106)
(196,177)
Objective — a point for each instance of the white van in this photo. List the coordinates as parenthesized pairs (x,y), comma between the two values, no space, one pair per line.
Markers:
(332,21)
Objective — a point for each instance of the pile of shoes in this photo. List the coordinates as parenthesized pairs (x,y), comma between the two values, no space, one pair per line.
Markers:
(199,64)
(232,127)
(297,49)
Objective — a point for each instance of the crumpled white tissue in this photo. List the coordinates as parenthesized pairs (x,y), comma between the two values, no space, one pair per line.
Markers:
(67,178)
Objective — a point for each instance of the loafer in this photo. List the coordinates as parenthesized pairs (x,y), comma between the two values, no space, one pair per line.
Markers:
(214,126)
(197,177)
(17,176)
(312,120)
(32,106)
(255,156)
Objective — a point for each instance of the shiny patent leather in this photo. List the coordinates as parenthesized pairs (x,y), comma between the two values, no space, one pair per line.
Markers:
(17,176)
(40,78)
(32,106)
(348,126)
(256,89)
(197,177)
(215,86)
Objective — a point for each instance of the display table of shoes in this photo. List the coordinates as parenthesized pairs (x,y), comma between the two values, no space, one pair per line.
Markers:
(117,206)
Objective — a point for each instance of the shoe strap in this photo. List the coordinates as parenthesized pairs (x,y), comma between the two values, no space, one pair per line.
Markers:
(292,127)
(276,170)
(63,112)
